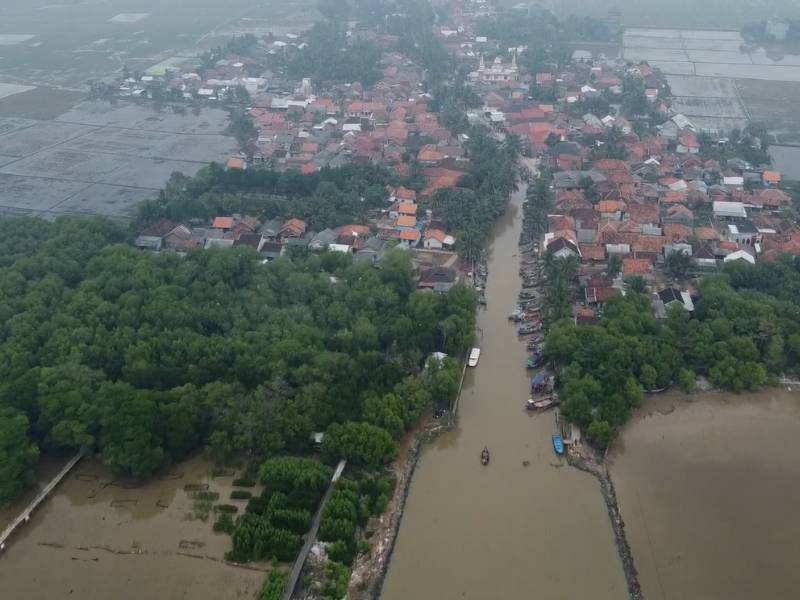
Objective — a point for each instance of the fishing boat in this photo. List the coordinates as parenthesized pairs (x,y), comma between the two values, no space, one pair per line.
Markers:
(558,444)
(485,456)
(474,356)
(534,361)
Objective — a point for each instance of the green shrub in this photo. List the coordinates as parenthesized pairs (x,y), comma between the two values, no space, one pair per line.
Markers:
(224,523)
(226,508)
(241,495)
(274,586)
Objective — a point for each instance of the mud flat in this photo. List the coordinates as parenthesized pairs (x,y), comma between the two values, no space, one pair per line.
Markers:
(709,491)
(99,537)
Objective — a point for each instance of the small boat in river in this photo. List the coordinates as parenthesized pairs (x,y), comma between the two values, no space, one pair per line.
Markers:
(558,444)
(485,456)
(474,357)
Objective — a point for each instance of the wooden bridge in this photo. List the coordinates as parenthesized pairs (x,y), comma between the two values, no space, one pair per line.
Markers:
(25,515)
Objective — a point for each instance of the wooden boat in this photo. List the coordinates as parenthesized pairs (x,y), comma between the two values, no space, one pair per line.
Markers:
(534,361)
(485,456)
(558,444)
(540,404)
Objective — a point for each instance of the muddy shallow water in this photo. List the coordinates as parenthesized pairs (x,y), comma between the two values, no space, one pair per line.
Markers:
(507,530)
(709,492)
(99,538)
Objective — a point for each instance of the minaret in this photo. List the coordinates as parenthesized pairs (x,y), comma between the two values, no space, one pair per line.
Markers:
(514,61)
(482,66)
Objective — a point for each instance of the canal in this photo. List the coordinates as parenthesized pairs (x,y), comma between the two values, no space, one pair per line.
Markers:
(507,530)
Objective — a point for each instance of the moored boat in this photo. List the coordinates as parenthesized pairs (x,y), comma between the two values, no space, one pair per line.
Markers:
(485,456)
(474,356)
(558,444)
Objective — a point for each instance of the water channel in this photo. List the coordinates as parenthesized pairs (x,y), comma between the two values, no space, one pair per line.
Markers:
(506,530)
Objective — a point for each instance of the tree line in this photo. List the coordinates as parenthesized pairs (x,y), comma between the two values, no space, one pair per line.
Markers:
(482,194)
(328,198)
(144,357)
(742,335)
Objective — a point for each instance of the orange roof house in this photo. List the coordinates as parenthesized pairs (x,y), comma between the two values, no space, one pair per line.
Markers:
(410,235)
(706,234)
(236,163)
(771,177)
(406,221)
(355,230)
(676,232)
(636,267)
(222,223)
(407,208)
(293,228)
(403,193)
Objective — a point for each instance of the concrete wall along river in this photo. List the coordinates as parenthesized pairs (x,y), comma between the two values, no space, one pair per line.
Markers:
(506,530)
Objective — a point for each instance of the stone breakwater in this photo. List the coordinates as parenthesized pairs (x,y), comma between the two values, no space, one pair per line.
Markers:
(590,464)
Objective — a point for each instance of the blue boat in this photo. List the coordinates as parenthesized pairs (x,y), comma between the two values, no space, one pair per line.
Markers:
(558,444)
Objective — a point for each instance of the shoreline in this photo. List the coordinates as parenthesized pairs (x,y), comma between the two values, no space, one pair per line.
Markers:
(369,570)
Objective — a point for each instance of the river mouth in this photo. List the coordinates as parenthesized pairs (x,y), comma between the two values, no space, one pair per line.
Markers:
(99,537)
(525,525)
(709,490)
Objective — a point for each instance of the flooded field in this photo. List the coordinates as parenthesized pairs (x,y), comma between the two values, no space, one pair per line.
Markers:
(102,159)
(509,530)
(53,43)
(786,159)
(99,537)
(678,13)
(717,83)
(709,492)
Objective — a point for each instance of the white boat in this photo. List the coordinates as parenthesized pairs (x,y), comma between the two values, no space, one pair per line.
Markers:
(474,355)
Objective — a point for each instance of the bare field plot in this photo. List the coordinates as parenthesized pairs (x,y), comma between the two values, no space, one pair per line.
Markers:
(705,87)
(774,103)
(108,162)
(37,137)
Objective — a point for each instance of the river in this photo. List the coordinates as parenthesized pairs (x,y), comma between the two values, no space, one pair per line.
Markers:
(99,537)
(709,493)
(506,530)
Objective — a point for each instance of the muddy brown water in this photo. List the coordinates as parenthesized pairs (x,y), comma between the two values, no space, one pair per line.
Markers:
(709,493)
(506,530)
(99,537)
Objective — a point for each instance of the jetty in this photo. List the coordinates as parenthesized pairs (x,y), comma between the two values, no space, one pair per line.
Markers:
(311,537)
(25,515)
(590,464)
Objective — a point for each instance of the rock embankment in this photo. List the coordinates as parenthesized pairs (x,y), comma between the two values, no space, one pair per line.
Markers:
(589,464)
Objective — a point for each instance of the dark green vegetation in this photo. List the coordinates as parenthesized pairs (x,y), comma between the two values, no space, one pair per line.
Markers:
(275,522)
(759,32)
(352,503)
(328,198)
(330,57)
(143,357)
(274,586)
(546,36)
(743,333)
(749,144)
(471,209)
